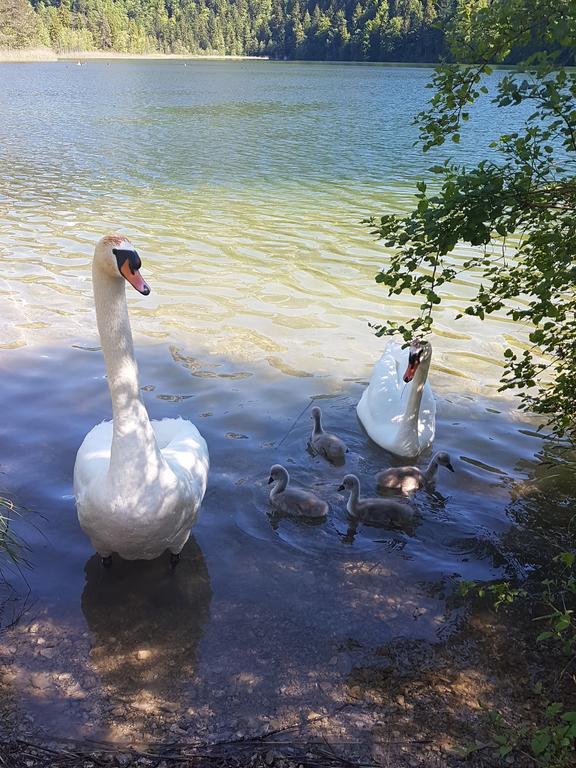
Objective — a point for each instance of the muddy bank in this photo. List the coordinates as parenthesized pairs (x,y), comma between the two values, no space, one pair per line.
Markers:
(405,704)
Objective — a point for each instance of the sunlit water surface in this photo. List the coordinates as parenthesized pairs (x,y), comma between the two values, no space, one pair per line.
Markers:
(242,185)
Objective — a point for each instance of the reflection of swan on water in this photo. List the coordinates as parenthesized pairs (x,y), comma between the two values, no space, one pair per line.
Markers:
(138,484)
(403,425)
(146,620)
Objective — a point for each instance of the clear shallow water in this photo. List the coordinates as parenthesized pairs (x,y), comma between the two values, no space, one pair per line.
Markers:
(242,186)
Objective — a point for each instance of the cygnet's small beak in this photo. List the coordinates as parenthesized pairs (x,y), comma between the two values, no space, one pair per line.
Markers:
(342,487)
(270,480)
(450,467)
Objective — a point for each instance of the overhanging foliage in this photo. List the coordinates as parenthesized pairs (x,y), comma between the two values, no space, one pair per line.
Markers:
(518,209)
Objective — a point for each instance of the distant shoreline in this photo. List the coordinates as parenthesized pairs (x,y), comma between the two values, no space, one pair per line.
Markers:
(27,54)
(47,55)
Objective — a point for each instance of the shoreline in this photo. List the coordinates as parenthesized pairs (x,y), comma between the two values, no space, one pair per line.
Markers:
(118,55)
(22,55)
(19,55)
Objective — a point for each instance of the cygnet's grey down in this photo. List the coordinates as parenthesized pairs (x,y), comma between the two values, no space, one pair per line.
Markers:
(385,513)
(410,479)
(295,502)
(325,444)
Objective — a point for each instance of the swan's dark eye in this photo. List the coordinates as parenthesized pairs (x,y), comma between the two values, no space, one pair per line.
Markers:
(122,255)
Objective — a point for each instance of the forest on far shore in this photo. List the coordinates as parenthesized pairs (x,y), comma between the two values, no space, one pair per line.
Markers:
(332,30)
(338,30)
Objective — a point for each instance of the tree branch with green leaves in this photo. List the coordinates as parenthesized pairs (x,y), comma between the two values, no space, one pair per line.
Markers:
(518,208)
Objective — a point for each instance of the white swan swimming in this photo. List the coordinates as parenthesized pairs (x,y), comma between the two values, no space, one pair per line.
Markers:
(138,484)
(397,408)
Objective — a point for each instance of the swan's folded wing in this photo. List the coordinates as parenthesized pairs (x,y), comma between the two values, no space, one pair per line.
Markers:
(93,458)
(302,503)
(384,392)
(185,450)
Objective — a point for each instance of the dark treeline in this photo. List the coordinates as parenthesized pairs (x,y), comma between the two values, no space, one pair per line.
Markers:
(340,30)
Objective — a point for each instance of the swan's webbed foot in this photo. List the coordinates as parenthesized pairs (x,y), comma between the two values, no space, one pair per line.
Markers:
(174,559)
(106,561)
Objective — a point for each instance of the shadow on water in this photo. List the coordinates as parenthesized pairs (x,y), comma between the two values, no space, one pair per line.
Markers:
(264,619)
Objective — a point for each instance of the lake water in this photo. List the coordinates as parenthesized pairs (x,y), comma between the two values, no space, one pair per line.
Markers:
(242,185)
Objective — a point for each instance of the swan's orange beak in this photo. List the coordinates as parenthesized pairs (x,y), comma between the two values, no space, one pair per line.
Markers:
(410,371)
(134,278)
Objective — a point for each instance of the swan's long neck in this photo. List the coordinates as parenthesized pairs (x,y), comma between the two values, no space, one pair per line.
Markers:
(431,473)
(280,484)
(353,500)
(317,429)
(409,429)
(134,453)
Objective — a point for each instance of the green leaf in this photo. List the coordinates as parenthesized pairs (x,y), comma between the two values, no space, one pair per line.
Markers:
(566,558)
(540,741)
(553,709)
(562,623)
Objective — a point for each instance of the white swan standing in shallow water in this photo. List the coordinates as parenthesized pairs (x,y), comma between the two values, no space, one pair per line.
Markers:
(397,409)
(138,484)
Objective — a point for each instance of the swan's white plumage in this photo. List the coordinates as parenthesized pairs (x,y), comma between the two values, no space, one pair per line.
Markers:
(138,484)
(384,408)
(142,522)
